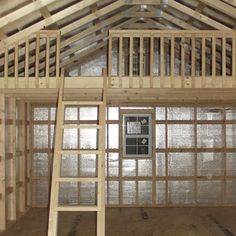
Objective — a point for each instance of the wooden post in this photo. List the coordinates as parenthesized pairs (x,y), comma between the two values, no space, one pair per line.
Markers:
(213,60)
(2,164)
(141,61)
(223,60)
(101,163)
(58,53)
(234,59)
(109,60)
(203,61)
(22,158)
(27,62)
(162,60)
(172,61)
(120,66)
(11,149)
(37,47)
(182,62)
(6,68)
(47,60)
(29,156)
(16,65)
(151,60)
(193,56)
(131,52)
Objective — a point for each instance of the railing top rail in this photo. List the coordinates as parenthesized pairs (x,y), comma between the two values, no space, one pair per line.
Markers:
(173,31)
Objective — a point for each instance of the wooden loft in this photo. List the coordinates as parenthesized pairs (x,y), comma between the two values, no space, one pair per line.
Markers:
(141,62)
(143,59)
(181,45)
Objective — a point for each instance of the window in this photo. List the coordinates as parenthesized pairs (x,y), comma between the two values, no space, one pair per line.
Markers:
(137,139)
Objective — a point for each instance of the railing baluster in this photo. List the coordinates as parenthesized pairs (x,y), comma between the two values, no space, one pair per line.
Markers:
(182,62)
(6,68)
(213,60)
(16,65)
(58,53)
(110,61)
(172,61)
(27,62)
(162,60)
(120,67)
(233,65)
(47,60)
(223,59)
(193,57)
(141,61)
(151,60)
(203,61)
(37,60)
(131,51)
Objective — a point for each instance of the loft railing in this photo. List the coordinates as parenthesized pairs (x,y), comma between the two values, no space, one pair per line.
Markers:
(172,59)
(36,57)
(136,59)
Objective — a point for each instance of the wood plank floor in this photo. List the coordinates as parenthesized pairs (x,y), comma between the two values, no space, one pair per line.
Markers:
(134,222)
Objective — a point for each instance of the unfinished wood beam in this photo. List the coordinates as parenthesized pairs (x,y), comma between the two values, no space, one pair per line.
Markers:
(23,11)
(22,156)
(11,148)
(221,6)
(46,22)
(91,17)
(2,165)
(29,133)
(141,2)
(231,2)
(198,16)
(45,13)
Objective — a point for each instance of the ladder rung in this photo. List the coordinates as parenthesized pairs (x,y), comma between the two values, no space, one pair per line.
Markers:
(74,179)
(97,152)
(84,103)
(77,208)
(81,126)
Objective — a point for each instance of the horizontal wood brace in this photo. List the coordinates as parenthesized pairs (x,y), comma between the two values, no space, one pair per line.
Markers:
(12,122)
(62,152)
(170,178)
(36,178)
(19,153)
(9,190)
(198,122)
(77,208)
(9,121)
(19,184)
(81,126)
(9,156)
(198,150)
(74,179)
(83,103)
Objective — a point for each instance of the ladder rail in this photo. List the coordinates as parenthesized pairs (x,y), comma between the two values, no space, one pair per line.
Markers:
(53,215)
(102,122)
(99,179)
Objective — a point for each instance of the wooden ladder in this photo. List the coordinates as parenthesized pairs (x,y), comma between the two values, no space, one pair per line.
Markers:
(99,208)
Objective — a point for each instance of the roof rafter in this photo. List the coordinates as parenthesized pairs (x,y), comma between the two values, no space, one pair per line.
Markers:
(221,6)
(24,11)
(198,16)
(231,2)
(46,22)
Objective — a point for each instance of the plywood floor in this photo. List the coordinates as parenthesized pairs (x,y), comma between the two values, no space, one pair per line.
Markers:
(134,222)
